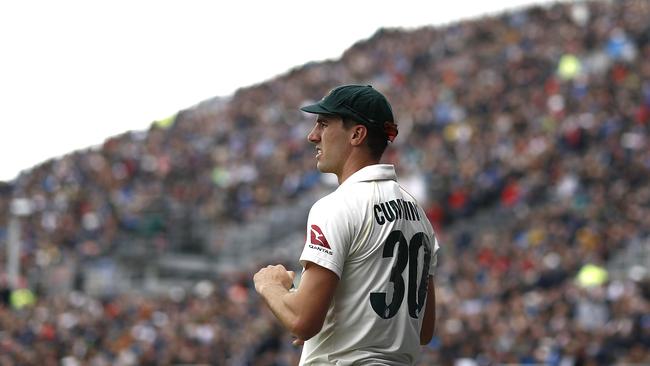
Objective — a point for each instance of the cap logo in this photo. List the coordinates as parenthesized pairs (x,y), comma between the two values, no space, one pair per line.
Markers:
(327,95)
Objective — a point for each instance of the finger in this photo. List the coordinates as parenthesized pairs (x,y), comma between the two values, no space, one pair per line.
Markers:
(298,342)
(291,274)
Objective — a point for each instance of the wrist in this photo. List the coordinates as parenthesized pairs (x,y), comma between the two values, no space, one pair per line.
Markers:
(271,287)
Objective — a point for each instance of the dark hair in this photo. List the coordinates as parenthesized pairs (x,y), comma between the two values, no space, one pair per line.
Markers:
(376,138)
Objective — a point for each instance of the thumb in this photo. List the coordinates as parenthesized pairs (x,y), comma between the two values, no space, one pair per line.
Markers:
(291,274)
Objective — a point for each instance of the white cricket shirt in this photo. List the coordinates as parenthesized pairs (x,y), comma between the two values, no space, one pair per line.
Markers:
(378,240)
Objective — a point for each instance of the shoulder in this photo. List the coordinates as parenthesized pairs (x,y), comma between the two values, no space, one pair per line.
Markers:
(326,202)
(333,203)
(344,194)
(408,195)
(345,202)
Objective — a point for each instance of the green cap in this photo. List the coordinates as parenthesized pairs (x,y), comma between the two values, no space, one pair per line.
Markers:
(361,103)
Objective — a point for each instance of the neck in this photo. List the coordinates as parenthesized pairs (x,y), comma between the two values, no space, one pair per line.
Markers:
(353,165)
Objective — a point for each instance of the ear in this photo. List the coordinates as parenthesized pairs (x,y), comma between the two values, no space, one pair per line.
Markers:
(359,134)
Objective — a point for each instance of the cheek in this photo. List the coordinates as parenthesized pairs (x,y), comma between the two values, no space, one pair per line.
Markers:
(334,142)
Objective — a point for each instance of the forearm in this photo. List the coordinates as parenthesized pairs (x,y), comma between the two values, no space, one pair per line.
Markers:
(302,311)
(280,300)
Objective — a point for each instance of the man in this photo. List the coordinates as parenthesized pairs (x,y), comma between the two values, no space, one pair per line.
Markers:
(366,296)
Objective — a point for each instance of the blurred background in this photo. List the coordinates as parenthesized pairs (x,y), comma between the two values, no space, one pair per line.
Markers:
(524,135)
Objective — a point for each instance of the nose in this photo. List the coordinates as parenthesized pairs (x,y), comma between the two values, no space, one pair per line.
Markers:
(314,135)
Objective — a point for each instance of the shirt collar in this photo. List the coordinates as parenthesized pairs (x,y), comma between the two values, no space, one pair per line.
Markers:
(372,172)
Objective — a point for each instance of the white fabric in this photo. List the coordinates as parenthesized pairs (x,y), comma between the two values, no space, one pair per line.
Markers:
(355,225)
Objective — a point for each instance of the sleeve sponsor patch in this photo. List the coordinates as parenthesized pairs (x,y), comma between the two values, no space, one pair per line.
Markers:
(318,240)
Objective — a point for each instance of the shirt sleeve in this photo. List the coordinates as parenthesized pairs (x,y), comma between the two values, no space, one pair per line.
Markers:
(329,236)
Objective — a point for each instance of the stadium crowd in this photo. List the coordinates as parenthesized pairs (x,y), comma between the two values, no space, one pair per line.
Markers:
(530,128)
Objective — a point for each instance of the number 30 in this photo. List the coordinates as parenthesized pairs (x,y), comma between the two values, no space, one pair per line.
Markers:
(405,253)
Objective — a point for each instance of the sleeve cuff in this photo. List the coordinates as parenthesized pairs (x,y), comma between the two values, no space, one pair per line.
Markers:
(323,263)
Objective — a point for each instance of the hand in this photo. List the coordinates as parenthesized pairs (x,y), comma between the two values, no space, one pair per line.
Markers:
(273,275)
(298,342)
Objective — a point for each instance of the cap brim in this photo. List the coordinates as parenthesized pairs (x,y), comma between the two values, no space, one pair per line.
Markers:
(316,109)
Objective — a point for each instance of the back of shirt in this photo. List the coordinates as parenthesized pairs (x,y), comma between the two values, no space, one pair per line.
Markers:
(377,239)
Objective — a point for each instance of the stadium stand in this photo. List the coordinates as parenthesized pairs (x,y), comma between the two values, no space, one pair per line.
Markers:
(525,135)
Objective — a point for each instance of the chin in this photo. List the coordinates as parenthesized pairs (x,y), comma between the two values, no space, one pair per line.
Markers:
(323,168)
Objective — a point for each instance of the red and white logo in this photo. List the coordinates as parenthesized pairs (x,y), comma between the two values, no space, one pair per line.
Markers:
(318,239)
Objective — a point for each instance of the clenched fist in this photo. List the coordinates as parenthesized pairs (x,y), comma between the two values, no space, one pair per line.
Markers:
(273,275)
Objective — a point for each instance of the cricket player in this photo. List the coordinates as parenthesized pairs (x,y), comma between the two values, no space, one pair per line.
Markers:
(366,296)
